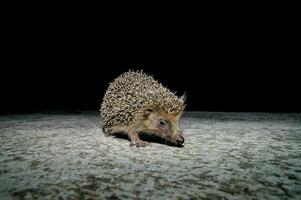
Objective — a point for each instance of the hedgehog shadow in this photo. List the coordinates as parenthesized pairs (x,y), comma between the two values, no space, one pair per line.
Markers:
(149,138)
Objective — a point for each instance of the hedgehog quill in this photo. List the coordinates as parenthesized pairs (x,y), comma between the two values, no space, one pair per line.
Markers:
(137,103)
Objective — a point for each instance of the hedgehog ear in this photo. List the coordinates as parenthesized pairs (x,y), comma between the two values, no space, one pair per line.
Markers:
(184,97)
(147,112)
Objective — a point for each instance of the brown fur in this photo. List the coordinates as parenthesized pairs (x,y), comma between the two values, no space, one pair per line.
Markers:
(135,103)
(148,123)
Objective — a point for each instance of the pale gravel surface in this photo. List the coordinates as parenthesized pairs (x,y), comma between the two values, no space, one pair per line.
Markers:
(226,156)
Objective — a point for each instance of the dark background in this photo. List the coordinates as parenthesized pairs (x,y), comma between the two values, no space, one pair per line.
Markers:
(209,88)
(63,66)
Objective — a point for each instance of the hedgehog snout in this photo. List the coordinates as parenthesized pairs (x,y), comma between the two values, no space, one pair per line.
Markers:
(180,140)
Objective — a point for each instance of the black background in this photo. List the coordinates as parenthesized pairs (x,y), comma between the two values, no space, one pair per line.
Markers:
(209,88)
(65,66)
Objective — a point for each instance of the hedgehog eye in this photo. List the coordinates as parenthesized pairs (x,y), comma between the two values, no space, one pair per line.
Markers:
(162,122)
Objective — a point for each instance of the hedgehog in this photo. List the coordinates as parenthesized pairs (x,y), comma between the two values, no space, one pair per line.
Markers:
(136,103)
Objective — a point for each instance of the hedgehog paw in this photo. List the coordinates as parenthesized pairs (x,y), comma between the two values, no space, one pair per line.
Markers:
(139,143)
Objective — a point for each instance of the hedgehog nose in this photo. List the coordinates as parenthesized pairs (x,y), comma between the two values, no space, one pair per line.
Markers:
(180,140)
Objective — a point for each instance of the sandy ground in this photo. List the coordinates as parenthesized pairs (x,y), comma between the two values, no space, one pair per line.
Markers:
(226,156)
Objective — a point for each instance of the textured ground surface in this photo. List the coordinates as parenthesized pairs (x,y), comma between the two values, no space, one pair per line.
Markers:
(226,156)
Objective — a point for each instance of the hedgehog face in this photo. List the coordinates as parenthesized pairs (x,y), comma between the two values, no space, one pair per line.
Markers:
(164,125)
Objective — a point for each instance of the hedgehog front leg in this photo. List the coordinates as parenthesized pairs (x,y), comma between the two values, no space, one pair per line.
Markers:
(135,140)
